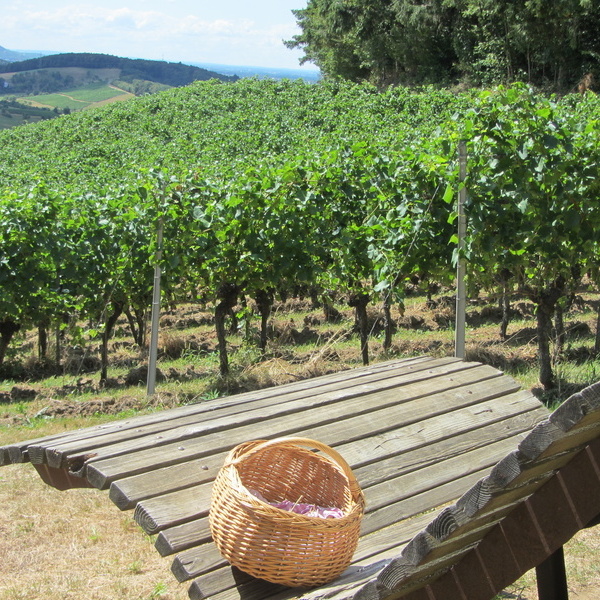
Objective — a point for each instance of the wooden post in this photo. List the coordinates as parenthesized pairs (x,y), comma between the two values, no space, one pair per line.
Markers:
(461,296)
(552,577)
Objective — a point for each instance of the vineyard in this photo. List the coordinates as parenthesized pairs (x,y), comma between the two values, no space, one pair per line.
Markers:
(267,191)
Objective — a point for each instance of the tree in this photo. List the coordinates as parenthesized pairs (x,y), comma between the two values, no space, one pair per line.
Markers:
(545,42)
(382,42)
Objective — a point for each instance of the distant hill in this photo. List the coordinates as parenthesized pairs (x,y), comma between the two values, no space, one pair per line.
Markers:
(165,73)
(310,75)
(47,86)
(13,56)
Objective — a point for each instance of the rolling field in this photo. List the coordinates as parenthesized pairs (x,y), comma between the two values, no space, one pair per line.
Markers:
(80,98)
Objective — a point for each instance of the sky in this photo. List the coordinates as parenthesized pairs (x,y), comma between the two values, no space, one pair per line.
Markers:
(229,32)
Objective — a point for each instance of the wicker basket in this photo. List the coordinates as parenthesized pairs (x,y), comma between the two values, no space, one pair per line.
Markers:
(278,545)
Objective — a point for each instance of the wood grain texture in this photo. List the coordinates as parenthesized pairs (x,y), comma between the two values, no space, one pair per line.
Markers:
(342,420)
(547,439)
(105,439)
(173,508)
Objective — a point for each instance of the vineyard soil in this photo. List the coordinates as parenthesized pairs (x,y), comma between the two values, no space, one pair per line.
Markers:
(75,544)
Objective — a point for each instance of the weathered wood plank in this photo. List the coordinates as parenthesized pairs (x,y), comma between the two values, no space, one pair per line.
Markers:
(197,442)
(576,409)
(83,440)
(168,510)
(359,581)
(181,537)
(433,476)
(127,492)
(418,435)
(195,561)
(490,490)
(528,535)
(512,428)
(576,436)
(426,553)
(59,478)
(455,521)
(284,405)
(191,503)
(235,591)
(18,452)
(471,531)
(226,577)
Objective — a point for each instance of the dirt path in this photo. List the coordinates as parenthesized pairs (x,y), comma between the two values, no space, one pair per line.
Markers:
(71,98)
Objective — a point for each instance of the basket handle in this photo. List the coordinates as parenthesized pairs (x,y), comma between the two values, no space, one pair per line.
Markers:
(300,441)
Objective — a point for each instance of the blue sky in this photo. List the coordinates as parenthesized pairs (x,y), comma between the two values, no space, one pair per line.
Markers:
(231,32)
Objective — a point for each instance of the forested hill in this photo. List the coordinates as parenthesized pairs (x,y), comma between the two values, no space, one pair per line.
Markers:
(171,74)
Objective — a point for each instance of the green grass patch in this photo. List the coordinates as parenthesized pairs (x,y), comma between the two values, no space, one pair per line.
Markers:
(301,344)
(58,101)
(12,121)
(78,98)
(94,93)
(7,122)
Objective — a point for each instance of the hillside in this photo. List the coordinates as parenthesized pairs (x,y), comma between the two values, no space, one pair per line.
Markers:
(44,87)
(270,184)
(263,186)
(212,126)
(48,74)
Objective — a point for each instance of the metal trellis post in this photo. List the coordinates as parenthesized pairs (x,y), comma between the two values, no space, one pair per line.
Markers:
(461,295)
(151,381)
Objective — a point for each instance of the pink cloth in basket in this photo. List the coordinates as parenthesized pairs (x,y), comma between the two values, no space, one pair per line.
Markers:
(302,508)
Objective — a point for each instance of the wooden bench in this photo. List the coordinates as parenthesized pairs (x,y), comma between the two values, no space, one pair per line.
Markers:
(469,480)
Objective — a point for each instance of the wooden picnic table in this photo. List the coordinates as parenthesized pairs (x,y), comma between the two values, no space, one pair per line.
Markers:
(419,433)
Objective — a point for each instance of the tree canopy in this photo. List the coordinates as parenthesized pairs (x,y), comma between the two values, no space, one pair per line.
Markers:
(550,43)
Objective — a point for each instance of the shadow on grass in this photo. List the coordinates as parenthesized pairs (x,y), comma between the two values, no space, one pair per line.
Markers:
(498,359)
(562,390)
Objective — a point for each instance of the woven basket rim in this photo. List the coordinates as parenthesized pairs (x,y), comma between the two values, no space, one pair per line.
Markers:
(330,456)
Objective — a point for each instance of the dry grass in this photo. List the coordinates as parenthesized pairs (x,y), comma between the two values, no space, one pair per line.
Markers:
(74,545)
(583,570)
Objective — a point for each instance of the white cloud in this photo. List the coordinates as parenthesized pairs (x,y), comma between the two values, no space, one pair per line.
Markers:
(91,21)
(88,20)
(127,18)
(150,33)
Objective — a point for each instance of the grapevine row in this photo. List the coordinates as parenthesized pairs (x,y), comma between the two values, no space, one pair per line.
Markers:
(358,211)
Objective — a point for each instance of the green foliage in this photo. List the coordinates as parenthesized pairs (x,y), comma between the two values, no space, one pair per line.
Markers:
(215,128)
(36,82)
(77,99)
(477,41)
(266,186)
(532,178)
(13,113)
(140,87)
